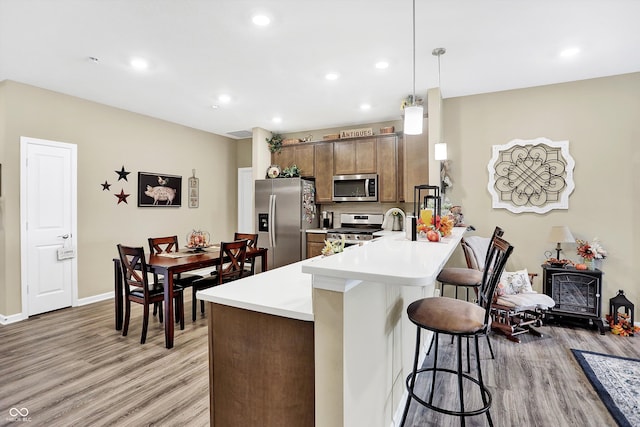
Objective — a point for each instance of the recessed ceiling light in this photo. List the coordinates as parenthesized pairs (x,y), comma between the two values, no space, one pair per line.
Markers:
(365,106)
(382,65)
(331,76)
(224,98)
(139,64)
(215,106)
(261,20)
(571,51)
(277,120)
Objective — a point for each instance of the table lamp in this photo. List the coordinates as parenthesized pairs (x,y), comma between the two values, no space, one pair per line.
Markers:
(560,234)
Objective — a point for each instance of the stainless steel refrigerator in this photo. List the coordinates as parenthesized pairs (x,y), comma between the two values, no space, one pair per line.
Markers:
(285,209)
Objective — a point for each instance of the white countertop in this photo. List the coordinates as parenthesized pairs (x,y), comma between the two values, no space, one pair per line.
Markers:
(317,230)
(389,259)
(284,291)
(287,291)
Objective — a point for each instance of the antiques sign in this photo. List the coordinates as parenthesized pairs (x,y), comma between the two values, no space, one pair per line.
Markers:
(353,133)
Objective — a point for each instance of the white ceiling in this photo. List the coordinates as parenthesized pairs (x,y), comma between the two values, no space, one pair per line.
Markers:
(199,49)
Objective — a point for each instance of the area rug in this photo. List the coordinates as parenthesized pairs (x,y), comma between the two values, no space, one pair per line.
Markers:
(617,382)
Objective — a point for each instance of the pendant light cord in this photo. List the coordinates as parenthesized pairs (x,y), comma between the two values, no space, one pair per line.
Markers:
(413,99)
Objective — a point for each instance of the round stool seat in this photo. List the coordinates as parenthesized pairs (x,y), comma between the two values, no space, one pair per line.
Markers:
(447,315)
(458,276)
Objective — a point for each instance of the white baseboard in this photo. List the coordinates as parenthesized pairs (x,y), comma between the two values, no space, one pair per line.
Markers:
(95,298)
(6,320)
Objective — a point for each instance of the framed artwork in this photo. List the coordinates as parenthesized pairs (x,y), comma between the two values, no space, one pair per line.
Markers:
(158,189)
(531,175)
(194,198)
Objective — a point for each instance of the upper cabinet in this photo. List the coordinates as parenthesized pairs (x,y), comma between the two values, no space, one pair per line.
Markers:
(301,155)
(354,156)
(389,165)
(324,171)
(381,154)
(416,161)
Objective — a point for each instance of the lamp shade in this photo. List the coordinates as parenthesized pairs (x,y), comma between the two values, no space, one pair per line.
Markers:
(560,234)
(440,151)
(413,120)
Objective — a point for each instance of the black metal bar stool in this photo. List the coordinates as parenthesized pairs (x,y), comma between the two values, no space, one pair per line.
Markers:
(467,278)
(459,318)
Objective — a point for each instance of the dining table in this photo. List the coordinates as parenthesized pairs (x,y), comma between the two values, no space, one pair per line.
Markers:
(167,265)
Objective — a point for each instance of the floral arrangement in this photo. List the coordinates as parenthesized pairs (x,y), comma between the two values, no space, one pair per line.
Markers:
(590,250)
(442,225)
(624,327)
(335,247)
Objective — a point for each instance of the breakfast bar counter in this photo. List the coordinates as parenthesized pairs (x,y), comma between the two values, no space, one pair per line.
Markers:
(324,341)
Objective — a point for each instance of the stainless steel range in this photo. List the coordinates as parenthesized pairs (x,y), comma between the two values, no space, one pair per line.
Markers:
(356,228)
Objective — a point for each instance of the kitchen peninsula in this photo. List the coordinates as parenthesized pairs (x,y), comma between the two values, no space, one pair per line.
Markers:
(324,341)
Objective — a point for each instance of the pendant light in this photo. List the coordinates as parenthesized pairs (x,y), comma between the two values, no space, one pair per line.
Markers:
(413,115)
(440,152)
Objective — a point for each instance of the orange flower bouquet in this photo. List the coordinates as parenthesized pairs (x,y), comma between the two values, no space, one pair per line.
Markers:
(442,225)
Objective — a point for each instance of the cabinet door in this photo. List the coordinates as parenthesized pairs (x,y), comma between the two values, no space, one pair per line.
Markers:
(304,159)
(315,243)
(284,158)
(324,171)
(387,169)
(299,155)
(416,162)
(344,157)
(354,156)
(366,156)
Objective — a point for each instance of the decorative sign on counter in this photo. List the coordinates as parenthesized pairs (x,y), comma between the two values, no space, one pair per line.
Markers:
(353,133)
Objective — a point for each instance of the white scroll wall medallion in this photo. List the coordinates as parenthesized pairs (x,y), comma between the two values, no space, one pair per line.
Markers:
(533,175)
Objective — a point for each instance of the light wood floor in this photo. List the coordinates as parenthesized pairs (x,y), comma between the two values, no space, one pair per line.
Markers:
(71,367)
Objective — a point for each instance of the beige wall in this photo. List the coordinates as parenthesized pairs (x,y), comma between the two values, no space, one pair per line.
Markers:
(600,119)
(107,139)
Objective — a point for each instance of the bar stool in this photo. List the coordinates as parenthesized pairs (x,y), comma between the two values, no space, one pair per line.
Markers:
(467,278)
(459,318)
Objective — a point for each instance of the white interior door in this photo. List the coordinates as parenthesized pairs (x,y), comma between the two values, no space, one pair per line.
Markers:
(48,212)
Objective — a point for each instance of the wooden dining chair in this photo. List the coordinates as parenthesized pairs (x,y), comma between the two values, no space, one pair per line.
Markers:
(159,245)
(230,267)
(138,289)
(252,243)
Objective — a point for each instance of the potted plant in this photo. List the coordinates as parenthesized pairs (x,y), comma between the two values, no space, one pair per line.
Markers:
(275,143)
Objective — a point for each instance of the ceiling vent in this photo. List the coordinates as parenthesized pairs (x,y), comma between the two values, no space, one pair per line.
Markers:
(241,134)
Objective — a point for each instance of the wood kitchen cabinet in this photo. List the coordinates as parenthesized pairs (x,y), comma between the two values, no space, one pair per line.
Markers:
(416,162)
(315,243)
(323,158)
(301,155)
(389,168)
(354,156)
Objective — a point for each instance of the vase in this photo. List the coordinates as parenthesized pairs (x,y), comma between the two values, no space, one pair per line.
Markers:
(589,263)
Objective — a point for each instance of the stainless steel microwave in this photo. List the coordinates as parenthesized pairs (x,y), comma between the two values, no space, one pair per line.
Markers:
(355,188)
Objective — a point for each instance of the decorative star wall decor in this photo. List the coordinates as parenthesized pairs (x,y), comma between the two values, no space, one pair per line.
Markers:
(105,186)
(122,197)
(122,174)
